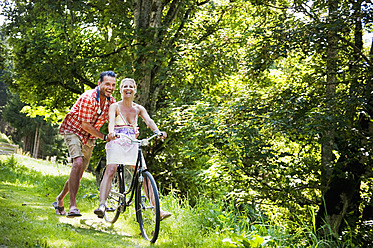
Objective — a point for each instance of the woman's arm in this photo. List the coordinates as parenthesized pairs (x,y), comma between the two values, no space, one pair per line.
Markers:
(112,114)
(149,121)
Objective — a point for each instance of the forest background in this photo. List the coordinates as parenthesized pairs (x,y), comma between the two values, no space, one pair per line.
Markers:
(267,104)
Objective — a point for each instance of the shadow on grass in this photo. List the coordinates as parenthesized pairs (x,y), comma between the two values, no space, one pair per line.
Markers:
(27,218)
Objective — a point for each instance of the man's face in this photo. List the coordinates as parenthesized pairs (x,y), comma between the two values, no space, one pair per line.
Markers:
(107,86)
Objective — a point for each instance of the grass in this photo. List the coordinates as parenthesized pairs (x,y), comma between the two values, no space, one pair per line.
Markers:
(27,218)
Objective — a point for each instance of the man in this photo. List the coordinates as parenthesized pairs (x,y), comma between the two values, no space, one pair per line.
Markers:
(80,128)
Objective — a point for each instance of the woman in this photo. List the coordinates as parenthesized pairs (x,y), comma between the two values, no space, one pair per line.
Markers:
(123,117)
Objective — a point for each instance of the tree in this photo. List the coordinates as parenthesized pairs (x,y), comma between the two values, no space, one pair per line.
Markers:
(266,102)
(60,47)
(298,132)
(35,135)
(329,35)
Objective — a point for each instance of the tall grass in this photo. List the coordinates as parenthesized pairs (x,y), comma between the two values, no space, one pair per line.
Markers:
(208,224)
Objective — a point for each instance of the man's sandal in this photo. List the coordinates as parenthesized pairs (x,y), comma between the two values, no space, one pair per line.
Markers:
(74,213)
(59,210)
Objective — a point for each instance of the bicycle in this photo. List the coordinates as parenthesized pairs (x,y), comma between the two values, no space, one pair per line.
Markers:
(138,188)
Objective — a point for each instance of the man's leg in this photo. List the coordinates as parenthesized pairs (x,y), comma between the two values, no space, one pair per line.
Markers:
(74,146)
(58,205)
(80,164)
(81,154)
(76,174)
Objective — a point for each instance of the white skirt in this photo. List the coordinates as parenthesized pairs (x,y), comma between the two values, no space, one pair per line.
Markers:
(120,150)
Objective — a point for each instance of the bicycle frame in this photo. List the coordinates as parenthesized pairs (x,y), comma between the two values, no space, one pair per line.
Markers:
(142,190)
(137,173)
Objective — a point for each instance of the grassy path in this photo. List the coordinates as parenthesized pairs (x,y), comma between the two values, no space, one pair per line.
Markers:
(27,218)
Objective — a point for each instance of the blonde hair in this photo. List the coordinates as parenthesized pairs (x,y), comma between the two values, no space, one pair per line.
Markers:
(128,79)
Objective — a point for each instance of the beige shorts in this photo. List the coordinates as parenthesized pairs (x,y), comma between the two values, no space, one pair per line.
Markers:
(78,149)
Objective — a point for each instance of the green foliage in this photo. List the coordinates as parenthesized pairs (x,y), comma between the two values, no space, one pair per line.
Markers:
(250,92)
(29,186)
(5,139)
(51,143)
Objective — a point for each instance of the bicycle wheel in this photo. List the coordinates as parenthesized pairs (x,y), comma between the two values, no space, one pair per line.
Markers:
(114,202)
(147,207)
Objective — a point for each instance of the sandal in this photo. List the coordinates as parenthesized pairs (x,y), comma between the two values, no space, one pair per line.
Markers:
(74,213)
(59,210)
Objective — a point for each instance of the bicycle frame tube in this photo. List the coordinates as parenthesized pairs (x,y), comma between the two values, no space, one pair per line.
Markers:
(138,168)
(136,173)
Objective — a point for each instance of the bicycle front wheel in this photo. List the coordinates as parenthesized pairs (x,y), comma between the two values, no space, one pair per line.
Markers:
(147,207)
(114,202)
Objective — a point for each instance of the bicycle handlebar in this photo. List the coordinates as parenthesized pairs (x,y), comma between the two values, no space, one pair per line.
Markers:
(142,142)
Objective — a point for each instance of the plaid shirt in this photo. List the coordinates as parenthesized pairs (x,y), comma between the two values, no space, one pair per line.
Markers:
(86,109)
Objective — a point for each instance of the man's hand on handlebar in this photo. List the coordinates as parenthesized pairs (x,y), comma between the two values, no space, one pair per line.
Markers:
(111,136)
(137,132)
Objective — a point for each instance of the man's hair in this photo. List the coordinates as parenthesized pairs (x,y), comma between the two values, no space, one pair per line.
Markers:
(106,73)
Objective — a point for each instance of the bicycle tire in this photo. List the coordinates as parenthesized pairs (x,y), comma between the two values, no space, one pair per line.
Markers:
(114,203)
(148,213)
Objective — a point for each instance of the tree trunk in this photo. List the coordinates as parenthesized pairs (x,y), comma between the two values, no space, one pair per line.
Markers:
(147,20)
(342,199)
(328,139)
(36,142)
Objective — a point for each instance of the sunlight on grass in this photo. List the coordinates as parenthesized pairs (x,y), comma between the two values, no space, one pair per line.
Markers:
(45,167)
(28,187)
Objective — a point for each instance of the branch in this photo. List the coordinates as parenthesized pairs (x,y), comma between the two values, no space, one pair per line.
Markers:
(202,3)
(109,54)
(83,79)
(68,87)
(212,29)
(304,10)
(357,49)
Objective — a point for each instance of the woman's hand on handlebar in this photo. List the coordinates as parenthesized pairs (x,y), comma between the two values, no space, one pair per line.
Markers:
(163,135)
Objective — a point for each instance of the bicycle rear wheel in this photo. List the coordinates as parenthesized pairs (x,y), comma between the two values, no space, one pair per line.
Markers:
(147,207)
(114,202)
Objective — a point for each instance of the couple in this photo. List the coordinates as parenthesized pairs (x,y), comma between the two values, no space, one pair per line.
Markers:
(81,128)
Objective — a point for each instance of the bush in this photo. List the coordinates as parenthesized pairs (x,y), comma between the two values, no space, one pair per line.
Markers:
(5,139)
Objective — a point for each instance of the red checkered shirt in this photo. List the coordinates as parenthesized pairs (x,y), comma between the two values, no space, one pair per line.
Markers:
(86,109)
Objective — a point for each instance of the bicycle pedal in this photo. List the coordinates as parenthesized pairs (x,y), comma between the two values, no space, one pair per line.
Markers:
(110,209)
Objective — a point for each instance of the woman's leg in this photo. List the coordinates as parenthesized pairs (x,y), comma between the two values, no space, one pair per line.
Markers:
(105,187)
(150,196)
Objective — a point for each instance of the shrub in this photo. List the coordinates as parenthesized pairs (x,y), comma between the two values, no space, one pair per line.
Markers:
(5,139)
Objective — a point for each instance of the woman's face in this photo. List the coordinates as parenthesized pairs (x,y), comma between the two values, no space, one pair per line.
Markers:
(127,88)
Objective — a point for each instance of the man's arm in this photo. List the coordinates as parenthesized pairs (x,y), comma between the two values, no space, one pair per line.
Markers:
(88,127)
